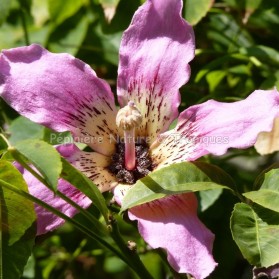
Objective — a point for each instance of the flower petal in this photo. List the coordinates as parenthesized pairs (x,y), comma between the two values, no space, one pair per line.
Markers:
(47,221)
(213,127)
(95,166)
(154,56)
(172,223)
(92,164)
(60,92)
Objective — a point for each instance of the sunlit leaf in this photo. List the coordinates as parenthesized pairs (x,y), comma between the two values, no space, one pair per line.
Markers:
(44,157)
(39,12)
(57,138)
(256,233)
(214,78)
(60,10)
(268,195)
(176,179)
(22,129)
(195,10)
(18,228)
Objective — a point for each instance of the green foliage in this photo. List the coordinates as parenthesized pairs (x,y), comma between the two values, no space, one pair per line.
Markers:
(176,179)
(23,129)
(60,10)
(268,195)
(255,234)
(195,10)
(17,223)
(43,156)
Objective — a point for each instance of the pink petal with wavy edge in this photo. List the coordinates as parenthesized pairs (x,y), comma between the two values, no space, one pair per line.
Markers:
(172,223)
(154,56)
(213,127)
(60,92)
(47,221)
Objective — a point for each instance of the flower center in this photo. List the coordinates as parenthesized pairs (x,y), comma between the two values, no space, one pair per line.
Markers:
(142,168)
(128,119)
(131,161)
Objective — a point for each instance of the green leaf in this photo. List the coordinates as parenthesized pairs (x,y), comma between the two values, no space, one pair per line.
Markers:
(265,197)
(68,38)
(4,8)
(23,129)
(214,78)
(17,218)
(266,55)
(226,32)
(60,10)
(44,157)
(208,198)
(110,44)
(55,138)
(195,10)
(176,179)
(85,185)
(256,235)
(268,195)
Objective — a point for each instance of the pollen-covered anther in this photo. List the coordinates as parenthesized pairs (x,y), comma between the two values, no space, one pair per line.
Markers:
(128,117)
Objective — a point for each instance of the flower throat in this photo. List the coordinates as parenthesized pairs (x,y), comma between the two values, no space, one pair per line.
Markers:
(142,167)
(131,161)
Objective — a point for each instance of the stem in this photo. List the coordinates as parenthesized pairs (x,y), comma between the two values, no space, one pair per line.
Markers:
(6,141)
(134,260)
(130,151)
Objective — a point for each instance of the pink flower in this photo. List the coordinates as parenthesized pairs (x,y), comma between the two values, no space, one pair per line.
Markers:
(64,94)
